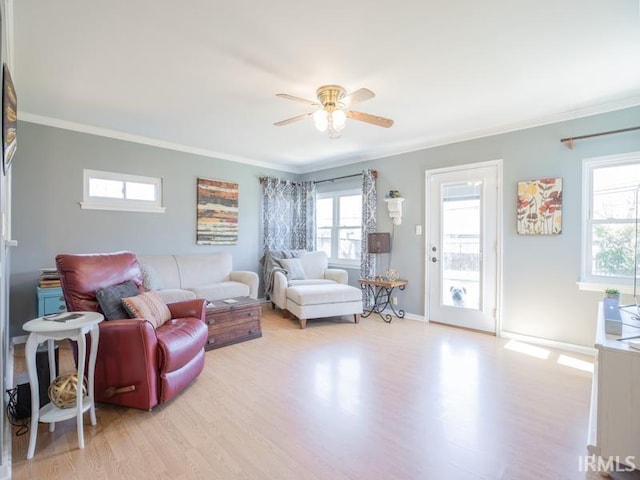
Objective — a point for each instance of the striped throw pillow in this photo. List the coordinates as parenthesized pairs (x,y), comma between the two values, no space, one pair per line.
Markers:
(147,305)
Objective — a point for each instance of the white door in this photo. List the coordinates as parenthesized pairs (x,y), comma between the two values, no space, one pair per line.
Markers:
(463,245)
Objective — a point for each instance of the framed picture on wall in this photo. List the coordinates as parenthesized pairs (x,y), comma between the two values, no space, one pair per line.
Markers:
(9,119)
(539,210)
(217,213)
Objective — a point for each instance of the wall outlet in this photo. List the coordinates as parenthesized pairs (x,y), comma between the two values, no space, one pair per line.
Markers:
(394,300)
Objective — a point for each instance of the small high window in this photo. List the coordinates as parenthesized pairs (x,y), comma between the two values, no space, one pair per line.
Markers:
(119,191)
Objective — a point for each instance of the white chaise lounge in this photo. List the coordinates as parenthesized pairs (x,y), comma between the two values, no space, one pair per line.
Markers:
(309,289)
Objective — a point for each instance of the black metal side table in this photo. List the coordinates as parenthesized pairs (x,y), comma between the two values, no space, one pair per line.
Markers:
(381,291)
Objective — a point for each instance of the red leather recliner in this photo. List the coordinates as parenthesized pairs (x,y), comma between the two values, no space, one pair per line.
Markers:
(137,366)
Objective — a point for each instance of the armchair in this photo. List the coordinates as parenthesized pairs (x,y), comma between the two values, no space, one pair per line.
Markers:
(316,272)
(137,365)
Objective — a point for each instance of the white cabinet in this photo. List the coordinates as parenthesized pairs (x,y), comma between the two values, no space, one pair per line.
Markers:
(614,420)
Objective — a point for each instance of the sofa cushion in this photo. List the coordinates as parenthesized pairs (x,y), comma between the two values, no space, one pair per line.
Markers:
(201,270)
(110,299)
(311,281)
(179,341)
(221,290)
(166,268)
(314,264)
(150,278)
(173,295)
(323,294)
(294,269)
(147,305)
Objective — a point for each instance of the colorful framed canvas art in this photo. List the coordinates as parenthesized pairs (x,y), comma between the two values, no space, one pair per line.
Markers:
(217,212)
(539,210)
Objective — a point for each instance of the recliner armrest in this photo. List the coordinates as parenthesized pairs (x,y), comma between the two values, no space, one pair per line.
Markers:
(189,308)
(337,275)
(249,278)
(127,356)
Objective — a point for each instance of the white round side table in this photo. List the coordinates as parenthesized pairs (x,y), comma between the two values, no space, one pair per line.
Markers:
(53,328)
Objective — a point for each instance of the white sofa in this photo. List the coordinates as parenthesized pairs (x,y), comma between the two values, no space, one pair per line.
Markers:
(323,292)
(184,277)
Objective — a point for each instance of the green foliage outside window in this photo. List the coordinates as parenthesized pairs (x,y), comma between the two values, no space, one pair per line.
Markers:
(614,251)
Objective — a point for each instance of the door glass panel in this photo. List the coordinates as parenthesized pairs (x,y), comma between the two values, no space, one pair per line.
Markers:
(460,256)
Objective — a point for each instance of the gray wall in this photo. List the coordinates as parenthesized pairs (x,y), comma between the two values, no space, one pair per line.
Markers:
(540,296)
(47,219)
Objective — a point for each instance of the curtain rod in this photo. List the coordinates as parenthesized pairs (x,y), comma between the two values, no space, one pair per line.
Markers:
(374,172)
(570,140)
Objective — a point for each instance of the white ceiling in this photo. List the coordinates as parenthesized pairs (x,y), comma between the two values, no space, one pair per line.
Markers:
(201,75)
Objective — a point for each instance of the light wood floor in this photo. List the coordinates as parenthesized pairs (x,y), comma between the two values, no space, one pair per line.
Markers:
(340,401)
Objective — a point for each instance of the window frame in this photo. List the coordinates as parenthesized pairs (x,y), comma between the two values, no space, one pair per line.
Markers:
(121,204)
(335,228)
(589,281)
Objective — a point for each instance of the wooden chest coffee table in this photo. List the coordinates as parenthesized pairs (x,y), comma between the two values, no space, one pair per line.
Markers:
(231,323)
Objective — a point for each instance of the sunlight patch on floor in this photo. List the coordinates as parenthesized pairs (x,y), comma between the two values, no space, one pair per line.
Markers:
(576,363)
(531,350)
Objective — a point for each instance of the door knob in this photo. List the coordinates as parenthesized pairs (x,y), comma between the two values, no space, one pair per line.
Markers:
(434,259)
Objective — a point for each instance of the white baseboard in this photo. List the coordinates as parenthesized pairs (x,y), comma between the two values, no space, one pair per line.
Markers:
(570,347)
(417,318)
(19,339)
(407,316)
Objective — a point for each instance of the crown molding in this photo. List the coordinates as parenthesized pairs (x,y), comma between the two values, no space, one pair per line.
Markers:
(154,142)
(574,114)
(348,159)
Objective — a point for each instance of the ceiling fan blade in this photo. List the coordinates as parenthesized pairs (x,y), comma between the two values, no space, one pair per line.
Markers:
(292,119)
(373,119)
(297,99)
(357,97)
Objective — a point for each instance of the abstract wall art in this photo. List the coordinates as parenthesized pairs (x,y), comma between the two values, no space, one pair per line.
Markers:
(217,222)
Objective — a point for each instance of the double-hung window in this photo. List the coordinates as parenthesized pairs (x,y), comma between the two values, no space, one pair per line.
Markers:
(611,204)
(119,191)
(339,226)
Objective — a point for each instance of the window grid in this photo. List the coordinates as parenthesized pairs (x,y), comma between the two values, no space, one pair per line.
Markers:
(611,191)
(119,191)
(339,234)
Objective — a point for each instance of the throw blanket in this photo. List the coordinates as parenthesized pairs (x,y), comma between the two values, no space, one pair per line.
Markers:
(270,265)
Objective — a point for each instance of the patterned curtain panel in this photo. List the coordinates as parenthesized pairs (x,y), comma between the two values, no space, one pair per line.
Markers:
(367,260)
(288,214)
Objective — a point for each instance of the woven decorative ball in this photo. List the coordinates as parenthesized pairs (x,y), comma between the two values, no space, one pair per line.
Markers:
(64,389)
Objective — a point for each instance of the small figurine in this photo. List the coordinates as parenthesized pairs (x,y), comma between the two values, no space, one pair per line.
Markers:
(392,194)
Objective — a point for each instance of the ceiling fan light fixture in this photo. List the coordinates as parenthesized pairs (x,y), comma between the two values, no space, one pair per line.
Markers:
(339,118)
(334,108)
(321,119)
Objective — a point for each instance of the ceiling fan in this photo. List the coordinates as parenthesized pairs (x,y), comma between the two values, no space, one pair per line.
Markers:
(333,108)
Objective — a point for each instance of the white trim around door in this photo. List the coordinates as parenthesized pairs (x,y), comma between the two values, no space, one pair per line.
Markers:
(432,267)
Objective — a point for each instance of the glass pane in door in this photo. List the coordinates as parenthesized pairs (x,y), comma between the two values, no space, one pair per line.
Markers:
(461,258)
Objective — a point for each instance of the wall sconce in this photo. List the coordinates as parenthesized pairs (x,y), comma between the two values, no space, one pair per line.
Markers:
(395,209)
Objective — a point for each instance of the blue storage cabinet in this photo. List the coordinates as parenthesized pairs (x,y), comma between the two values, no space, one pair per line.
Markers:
(50,300)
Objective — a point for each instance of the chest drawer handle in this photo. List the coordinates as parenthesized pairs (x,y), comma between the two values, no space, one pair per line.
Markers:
(61,299)
(212,321)
(62,307)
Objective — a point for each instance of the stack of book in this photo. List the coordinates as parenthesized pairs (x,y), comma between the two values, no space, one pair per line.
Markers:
(49,278)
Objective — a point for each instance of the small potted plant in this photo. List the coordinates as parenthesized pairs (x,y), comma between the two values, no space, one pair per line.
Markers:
(612,293)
